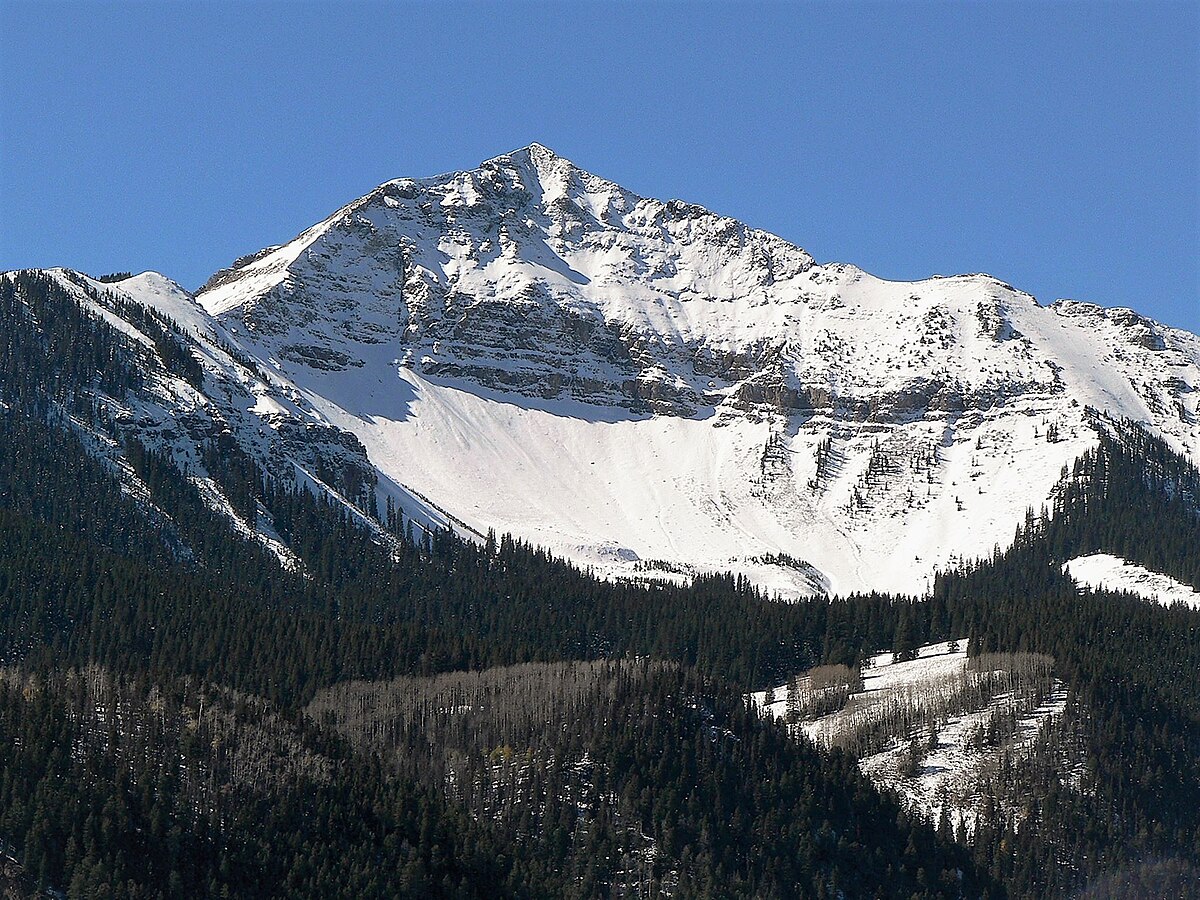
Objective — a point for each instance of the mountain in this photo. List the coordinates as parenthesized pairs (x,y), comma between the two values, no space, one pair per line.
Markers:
(257,638)
(647,388)
(220,677)
(650,388)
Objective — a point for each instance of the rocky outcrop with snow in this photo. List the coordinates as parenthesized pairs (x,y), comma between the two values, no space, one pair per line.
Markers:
(655,390)
(531,276)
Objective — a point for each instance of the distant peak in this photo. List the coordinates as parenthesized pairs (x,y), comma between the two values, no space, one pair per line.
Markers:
(536,151)
(152,277)
(148,275)
(151,283)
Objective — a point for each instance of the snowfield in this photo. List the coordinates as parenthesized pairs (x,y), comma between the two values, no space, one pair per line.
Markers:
(1103,571)
(614,491)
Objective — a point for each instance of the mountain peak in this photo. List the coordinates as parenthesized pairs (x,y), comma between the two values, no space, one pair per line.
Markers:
(469,326)
(540,149)
(154,281)
(536,158)
(535,152)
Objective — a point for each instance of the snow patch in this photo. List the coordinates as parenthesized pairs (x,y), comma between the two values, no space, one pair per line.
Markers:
(1103,571)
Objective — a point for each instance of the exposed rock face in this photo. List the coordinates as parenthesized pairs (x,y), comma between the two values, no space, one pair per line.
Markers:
(521,276)
(533,277)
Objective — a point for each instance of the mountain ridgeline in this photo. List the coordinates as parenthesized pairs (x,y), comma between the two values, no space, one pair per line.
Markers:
(252,644)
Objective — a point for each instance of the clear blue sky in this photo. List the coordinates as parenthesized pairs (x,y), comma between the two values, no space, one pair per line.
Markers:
(1055,145)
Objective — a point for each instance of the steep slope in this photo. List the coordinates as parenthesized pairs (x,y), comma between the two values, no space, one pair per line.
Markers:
(188,390)
(933,728)
(648,386)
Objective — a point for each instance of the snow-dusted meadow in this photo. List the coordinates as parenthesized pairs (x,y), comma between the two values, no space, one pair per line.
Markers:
(936,728)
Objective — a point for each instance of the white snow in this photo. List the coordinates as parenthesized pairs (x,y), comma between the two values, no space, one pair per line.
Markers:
(1103,571)
(162,294)
(883,681)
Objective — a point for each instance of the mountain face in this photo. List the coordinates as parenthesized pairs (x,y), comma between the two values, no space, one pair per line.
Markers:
(203,576)
(655,390)
(649,386)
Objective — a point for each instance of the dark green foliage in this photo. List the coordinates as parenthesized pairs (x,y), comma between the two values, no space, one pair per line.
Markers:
(1133,497)
(163,805)
(651,756)
(51,350)
(903,646)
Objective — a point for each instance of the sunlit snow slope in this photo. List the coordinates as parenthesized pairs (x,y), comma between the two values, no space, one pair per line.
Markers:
(1103,571)
(651,388)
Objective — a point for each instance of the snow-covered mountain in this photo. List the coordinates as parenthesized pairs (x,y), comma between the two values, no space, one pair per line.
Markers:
(653,389)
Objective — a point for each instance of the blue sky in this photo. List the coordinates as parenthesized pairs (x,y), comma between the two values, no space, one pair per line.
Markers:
(1054,145)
